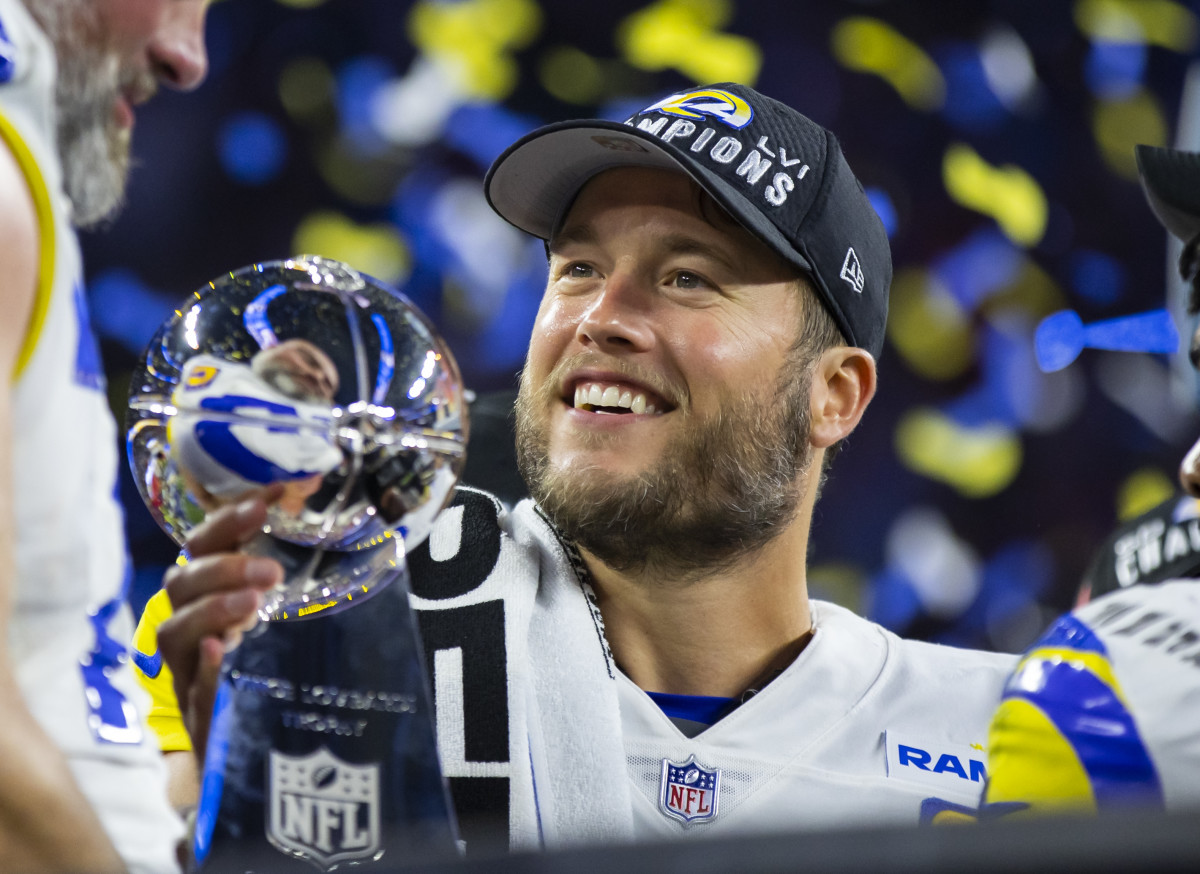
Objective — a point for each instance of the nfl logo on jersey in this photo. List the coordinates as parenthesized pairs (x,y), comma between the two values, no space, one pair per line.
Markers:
(689,791)
(324,809)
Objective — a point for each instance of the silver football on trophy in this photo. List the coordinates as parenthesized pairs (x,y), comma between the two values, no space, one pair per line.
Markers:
(305,373)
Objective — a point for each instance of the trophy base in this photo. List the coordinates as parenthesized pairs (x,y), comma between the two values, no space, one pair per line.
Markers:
(322,749)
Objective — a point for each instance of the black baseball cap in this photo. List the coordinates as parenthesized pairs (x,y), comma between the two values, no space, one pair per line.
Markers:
(781,175)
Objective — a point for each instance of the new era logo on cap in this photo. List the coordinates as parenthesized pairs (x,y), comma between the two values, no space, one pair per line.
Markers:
(852,271)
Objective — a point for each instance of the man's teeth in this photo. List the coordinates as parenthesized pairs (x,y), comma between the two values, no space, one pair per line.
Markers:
(589,397)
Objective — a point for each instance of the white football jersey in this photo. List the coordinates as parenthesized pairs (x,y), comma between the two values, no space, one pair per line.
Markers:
(71,627)
(863,728)
(546,744)
(1103,713)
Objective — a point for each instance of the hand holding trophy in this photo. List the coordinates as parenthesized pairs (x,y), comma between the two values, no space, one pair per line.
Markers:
(306,374)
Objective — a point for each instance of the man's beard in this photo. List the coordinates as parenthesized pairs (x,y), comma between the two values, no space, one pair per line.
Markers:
(729,486)
(92,146)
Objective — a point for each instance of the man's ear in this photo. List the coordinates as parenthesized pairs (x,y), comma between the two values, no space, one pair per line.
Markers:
(843,383)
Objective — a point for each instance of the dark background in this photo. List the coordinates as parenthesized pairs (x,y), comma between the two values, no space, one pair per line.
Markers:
(967,505)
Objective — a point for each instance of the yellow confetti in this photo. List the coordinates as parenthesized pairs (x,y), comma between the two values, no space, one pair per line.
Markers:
(1119,125)
(979,462)
(869,45)
(361,178)
(1141,491)
(571,75)
(376,249)
(474,40)
(1157,22)
(928,327)
(1033,293)
(1007,193)
(306,88)
(683,35)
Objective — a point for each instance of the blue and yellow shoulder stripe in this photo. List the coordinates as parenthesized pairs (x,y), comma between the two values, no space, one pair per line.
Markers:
(1063,738)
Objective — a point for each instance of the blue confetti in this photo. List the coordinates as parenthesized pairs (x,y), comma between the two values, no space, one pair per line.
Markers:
(125,310)
(971,104)
(484,131)
(892,600)
(1062,336)
(358,84)
(252,148)
(983,263)
(1097,277)
(885,209)
(1115,69)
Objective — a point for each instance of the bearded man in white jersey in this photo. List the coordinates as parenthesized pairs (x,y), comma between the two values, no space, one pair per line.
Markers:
(81,782)
(715,305)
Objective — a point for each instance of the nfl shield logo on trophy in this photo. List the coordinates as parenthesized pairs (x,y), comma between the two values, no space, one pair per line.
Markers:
(323,810)
(689,791)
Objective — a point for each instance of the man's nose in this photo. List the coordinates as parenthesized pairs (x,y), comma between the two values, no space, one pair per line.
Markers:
(618,318)
(177,50)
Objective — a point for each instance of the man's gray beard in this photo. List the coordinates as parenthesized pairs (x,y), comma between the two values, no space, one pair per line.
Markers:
(727,488)
(93,149)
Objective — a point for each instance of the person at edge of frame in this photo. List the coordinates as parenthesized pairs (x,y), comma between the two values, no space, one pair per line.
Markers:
(83,785)
(1101,714)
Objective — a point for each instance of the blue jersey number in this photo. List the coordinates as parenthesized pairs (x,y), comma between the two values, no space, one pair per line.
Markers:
(111,717)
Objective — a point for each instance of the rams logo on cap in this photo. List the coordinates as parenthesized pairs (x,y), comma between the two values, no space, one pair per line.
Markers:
(721,105)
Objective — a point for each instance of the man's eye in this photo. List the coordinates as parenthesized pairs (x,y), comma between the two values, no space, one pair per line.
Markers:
(684,279)
(579,271)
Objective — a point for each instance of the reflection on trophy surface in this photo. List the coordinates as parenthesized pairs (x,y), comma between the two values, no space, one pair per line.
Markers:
(305,373)
(308,374)
(292,378)
(298,369)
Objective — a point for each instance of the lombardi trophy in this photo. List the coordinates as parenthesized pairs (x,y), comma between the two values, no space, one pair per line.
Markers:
(307,373)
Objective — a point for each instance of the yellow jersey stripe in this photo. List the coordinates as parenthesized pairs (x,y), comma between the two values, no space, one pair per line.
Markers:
(46,238)
(1030,761)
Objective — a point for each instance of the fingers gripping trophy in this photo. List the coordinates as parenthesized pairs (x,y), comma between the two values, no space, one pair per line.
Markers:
(334,390)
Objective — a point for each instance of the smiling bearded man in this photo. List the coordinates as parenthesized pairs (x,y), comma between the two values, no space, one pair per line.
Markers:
(727,487)
(634,653)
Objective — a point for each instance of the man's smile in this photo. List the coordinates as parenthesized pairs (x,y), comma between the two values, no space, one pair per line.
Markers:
(616,399)
(612,391)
